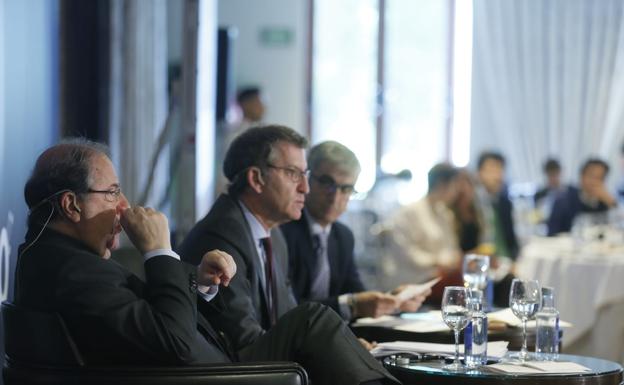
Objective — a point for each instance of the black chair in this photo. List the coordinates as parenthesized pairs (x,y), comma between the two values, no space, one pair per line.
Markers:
(40,351)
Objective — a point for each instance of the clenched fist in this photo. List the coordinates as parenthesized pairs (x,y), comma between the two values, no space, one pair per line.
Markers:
(216,267)
(147,228)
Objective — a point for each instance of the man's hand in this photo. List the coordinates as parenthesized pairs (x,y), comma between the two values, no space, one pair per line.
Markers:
(367,345)
(602,194)
(216,267)
(413,302)
(374,304)
(147,228)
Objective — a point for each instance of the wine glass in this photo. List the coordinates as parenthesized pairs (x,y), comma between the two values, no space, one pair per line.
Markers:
(456,315)
(475,270)
(524,299)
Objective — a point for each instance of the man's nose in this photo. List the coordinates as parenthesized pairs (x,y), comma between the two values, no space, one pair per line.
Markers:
(304,186)
(123,203)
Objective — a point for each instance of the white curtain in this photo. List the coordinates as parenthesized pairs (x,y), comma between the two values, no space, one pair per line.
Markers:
(548,80)
(138,94)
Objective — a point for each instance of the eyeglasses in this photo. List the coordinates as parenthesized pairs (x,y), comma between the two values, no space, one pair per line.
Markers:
(109,195)
(330,186)
(294,174)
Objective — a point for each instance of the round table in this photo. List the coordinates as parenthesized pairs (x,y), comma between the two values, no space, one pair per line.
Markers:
(432,372)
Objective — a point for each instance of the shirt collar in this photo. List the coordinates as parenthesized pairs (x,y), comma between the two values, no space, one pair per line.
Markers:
(315,227)
(257,230)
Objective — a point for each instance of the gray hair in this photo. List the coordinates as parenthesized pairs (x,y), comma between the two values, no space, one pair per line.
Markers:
(334,154)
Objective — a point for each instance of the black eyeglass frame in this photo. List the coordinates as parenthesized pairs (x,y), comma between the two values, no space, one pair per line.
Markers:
(329,184)
(294,174)
(110,195)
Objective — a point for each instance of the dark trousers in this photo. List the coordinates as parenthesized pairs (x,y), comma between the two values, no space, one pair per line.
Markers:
(316,337)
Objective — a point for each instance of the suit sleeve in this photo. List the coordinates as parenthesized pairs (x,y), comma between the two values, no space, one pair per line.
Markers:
(159,326)
(239,319)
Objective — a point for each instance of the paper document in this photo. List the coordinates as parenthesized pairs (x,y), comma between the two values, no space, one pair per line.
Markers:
(414,290)
(506,316)
(540,367)
(495,349)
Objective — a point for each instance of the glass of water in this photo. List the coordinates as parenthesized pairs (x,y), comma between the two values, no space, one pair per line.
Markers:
(456,315)
(475,271)
(524,300)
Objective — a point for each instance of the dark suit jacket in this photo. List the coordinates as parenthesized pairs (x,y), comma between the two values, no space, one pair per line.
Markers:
(504,208)
(115,317)
(344,277)
(246,315)
(566,207)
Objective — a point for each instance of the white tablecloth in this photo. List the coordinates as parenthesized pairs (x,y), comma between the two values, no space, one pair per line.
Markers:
(588,280)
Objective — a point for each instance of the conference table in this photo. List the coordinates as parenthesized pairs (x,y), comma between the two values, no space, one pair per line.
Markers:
(427,326)
(414,370)
(588,278)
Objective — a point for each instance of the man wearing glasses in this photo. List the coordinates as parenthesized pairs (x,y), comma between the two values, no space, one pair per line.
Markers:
(267,170)
(322,266)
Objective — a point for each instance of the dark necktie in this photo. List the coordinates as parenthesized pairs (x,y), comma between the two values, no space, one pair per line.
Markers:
(269,275)
(319,289)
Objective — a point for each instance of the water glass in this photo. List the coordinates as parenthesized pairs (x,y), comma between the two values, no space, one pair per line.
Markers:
(525,298)
(475,271)
(456,315)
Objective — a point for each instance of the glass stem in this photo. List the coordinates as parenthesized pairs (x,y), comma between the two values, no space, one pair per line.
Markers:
(456,360)
(524,351)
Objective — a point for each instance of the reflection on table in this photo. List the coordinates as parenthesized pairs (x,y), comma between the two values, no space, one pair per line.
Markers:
(588,278)
(416,371)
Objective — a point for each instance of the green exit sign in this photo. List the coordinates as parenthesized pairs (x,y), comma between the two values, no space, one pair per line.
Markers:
(276,36)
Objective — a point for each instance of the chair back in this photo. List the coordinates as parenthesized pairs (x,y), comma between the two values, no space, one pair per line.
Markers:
(38,337)
(40,351)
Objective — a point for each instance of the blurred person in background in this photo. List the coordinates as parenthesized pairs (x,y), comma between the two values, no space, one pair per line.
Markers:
(497,209)
(422,239)
(591,197)
(546,196)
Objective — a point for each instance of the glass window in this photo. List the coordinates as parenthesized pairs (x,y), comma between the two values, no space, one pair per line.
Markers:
(344,79)
(416,90)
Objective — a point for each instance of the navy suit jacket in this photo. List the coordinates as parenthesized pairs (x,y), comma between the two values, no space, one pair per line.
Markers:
(302,258)
(566,207)
(246,313)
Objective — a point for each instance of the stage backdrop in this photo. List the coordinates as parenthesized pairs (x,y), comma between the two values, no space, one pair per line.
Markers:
(28,115)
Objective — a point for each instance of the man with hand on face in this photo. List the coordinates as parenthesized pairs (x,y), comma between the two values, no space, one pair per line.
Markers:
(322,265)
(77,211)
(267,170)
(592,197)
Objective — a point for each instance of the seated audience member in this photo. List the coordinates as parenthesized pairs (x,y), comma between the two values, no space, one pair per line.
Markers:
(422,238)
(467,215)
(496,206)
(320,249)
(469,229)
(267,170)
(545,197)
(591,198)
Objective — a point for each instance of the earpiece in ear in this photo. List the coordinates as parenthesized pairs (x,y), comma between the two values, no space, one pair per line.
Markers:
(77,208)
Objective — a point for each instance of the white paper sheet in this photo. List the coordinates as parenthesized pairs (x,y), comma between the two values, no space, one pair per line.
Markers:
(495,349)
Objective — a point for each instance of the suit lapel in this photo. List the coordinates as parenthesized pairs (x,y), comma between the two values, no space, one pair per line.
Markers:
(248,247)
(333,254)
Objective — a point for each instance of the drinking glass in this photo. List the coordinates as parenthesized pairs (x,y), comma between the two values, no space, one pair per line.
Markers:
(456,316)
(475,271)
(524,299)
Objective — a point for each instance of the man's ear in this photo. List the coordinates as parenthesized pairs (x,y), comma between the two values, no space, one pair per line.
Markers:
(255,180)
(68,204)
